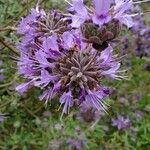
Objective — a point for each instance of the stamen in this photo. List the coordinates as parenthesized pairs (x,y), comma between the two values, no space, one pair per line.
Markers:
(68,2)
(72,5)
(136,14)
(139,2)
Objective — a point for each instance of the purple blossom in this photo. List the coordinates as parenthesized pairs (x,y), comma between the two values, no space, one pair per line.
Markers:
(121,122)
(105,11)
(25,64)
(27,24)
(53,75)
(76,144)
(2,117)
(2,77)
(68,39)
(125,42)
(67,100)
(81,13)
(41,58)
(76,36)
(101,15)
(45,79)
(141,36)
(50,43)
(95,99)
(121,8)
(24,87)
(106,58)
(56,60)
(47,95)
(88,114)
(112,72)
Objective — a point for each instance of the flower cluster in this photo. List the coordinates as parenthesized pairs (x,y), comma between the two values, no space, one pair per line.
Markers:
(89,114)
(141,35)
(78,141)
(60,59)
(76,144)
(101,23)
(121,122)
(102,13)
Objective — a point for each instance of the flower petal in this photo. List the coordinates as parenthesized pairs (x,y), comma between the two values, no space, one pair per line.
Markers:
(102,6)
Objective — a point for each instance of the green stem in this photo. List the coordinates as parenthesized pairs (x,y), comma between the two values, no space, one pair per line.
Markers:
(8,46)
(8,29)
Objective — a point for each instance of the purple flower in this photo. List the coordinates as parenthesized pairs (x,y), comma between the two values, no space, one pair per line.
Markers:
(112,72)
(101,15)
(2,117)
(77,39)
(105,11)
(45,79)
(27,24)
(47,95)
(88,114)
(73,66)
(125,42)
(141,36)
(95,99)
(50,43)
(120,10)
(106,58)
(2,77)
(41,58)
(24,87)
(81,13)
(76,144)
(54,58)
(25,64)
(67,100)
(121,122)
(68,39)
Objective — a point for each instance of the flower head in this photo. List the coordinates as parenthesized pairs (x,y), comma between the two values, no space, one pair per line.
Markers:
(56,60)
(76,144)
(70,72)
(103,13)
(102,24)
(121,122)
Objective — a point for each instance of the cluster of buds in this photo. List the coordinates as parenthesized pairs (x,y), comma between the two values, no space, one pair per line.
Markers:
(68,55)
